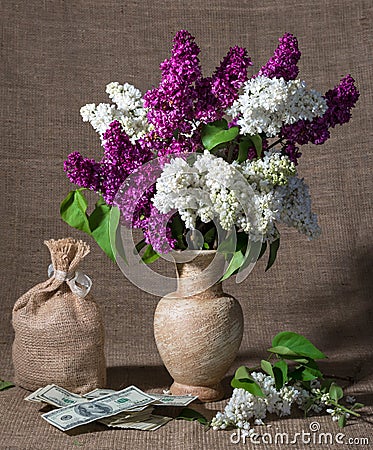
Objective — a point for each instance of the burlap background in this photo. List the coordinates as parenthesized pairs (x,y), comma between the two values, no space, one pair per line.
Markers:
(59,55)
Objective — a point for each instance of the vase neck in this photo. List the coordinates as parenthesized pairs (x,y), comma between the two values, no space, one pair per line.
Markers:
(200,276)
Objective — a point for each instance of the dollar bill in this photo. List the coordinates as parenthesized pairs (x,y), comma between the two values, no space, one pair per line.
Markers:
(33,397)
(97,393)
(162,399)
(54,395)
(153,422)
(127,417)
(57,396)
(89,411)
(173,400)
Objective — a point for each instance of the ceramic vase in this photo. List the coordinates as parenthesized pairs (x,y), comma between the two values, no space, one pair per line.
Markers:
(198,329)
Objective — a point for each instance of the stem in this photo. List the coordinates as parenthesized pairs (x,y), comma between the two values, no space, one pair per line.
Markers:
(230,153)
(334,403)
(350,379)
(338,405)
(275,143)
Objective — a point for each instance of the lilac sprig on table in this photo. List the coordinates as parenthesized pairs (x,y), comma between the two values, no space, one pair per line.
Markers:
(294,379)
(254,125)
(276,387)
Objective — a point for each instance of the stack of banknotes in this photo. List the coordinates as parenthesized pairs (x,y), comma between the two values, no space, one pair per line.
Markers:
(129,408)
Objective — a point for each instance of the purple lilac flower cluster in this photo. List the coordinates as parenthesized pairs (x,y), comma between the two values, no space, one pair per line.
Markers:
(185,98)
(340,101)
(158,233)
(137,210)
(171,104)
(284,60)
(121,158)
(83,172)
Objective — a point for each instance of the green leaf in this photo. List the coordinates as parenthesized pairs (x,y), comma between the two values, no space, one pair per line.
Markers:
(100,201)
(273,248)
(243,380)
(113,233)
(99,223)
(242,372)
(139,246)
(267,367)
(248,385)
(313,368)
(216,133)
(238,258)
(250,252)
(246,143)
(297,359)
(5,385)
(282,351)
(262,250)
(307,371)
(177,230)
(296,345)
(325,385)
(257,141)
(342,421)
(357,406)
(335,392)
(150,255)
(191,414)
(209,236)
(243,150)
(175,133)
(280,371)
(308,405)
(73,211)
(235,263)
(303,374)
(229,245)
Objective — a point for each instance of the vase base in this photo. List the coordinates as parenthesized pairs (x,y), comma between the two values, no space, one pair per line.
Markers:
(204,393)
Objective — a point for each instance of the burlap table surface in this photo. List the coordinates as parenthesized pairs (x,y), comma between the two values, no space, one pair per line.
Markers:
(57,56)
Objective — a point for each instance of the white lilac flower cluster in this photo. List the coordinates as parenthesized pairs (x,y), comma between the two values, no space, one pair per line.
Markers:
(320,401)
(209,188)
(274,169)
(295,211)
(267,104)
(244,406)
(128,109)
(252,196)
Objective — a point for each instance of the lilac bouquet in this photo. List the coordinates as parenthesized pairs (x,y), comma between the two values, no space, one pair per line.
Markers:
(206,153)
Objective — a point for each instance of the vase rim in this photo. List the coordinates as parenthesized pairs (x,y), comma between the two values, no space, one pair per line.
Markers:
(180,256)
(194,251)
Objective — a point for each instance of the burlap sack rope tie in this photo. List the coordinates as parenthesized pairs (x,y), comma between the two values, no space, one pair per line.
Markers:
(79,283)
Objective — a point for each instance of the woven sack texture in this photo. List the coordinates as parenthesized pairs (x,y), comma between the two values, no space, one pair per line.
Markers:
(59,336)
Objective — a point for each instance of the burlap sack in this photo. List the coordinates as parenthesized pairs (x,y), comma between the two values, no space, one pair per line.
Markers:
(59,336)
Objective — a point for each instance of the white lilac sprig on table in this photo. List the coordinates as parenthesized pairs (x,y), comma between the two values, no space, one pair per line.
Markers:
(245,132)
(275,387)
